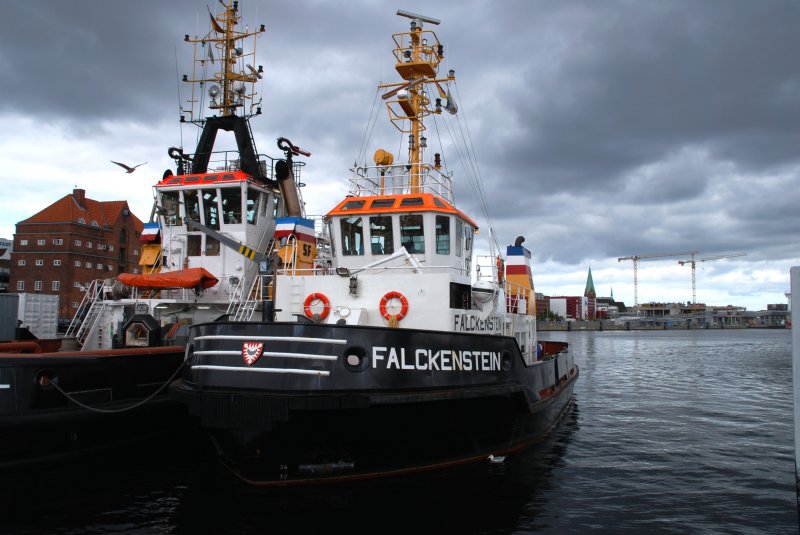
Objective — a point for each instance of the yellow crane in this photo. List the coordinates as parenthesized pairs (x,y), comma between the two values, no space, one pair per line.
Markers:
(693,261)
(636,259)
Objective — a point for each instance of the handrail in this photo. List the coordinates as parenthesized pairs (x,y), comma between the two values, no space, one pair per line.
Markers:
(395,180)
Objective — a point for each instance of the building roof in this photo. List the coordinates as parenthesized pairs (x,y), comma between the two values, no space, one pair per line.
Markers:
(76,208)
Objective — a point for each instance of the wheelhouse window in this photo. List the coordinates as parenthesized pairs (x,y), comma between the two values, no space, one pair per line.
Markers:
(170,203)
(332,241)
(253,196)
(459,234)
(352,236)
(380,233)
(192,205)
(232,205)
(412,234)
(442,234)
(211,209)
(468,235)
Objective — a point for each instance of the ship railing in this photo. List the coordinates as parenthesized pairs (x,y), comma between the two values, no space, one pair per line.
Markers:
(397,179)
(488,268)
(87,312)
(229,161)
(320,269)
(243,299)
(518,298)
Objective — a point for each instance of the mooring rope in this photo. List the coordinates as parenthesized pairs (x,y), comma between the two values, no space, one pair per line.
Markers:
(123,409)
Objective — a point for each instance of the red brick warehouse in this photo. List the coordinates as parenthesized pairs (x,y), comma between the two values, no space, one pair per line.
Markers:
(75,240)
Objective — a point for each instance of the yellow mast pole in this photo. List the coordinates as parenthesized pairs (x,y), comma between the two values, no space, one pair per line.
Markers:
(414,149)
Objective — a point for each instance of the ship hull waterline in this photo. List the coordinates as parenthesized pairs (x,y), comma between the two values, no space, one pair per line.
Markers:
(415,400)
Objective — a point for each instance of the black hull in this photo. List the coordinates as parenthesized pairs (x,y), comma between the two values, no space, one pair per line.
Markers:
(40,424)
(379,417)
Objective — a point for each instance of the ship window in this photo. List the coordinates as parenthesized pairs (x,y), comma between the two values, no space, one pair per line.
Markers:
(210,178)
(192,205)
(190,179)
(439,203)
(227,176)
(412,201)
(212,246)
(459,233)
(174,180)
(252,205)
(276,204)
(232,205)
(332,241)
(382,203)
(170,203)
(353,205)
(442,234)
(193,245)
(210,208)
(412,235)
(468,233)
(352,236)
(380,233)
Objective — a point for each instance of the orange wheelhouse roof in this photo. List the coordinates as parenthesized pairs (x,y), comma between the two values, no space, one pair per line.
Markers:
(390,204)
(204,179)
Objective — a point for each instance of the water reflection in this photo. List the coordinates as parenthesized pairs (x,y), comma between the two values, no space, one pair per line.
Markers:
(478,498)
(181,489)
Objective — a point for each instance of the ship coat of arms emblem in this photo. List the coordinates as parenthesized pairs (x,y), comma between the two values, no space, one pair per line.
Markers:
(251,351)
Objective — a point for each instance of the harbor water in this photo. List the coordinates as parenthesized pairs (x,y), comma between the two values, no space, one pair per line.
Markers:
(670,432)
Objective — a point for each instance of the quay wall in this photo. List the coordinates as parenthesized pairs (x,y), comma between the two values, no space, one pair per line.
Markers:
(608,325)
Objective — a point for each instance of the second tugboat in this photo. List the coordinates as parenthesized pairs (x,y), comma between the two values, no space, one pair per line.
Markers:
(379,353)
(212,220)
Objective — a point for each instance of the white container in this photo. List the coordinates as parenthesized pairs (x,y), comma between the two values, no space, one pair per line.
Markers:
(39,313)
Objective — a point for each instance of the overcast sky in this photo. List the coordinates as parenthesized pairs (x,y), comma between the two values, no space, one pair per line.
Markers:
(602,129)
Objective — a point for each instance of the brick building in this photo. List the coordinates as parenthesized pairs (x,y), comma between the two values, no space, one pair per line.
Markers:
(5,263)
(72,242)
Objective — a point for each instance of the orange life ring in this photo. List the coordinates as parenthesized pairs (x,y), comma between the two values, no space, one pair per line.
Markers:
(326,305)
(403,306)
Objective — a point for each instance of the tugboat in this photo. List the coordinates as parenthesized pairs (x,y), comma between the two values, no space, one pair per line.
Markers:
(379,353)
(211,223)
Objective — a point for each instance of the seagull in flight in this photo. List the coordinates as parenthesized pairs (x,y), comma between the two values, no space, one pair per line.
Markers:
(127,168)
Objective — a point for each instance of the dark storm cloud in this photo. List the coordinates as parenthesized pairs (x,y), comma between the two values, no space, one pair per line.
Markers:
(88,62)
(641,80)
(602,129)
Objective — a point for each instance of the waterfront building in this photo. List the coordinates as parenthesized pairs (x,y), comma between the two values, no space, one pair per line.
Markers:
(63,248)
(775,316)
(6,247)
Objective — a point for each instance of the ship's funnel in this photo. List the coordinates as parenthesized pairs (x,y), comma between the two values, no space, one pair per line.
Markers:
(288,186)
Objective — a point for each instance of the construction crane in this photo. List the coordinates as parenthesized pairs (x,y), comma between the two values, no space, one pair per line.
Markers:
(636,259)
(693,261)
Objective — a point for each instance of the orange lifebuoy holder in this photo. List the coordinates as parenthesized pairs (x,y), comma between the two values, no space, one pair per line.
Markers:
(322,298)
(403,306)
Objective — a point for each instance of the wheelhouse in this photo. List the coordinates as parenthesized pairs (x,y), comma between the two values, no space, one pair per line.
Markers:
(231,202)
(365,230)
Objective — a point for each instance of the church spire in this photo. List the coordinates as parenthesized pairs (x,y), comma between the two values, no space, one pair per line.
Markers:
(590,291)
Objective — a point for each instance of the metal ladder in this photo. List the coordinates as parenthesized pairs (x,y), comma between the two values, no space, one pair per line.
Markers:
(242,306)
(87,314)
